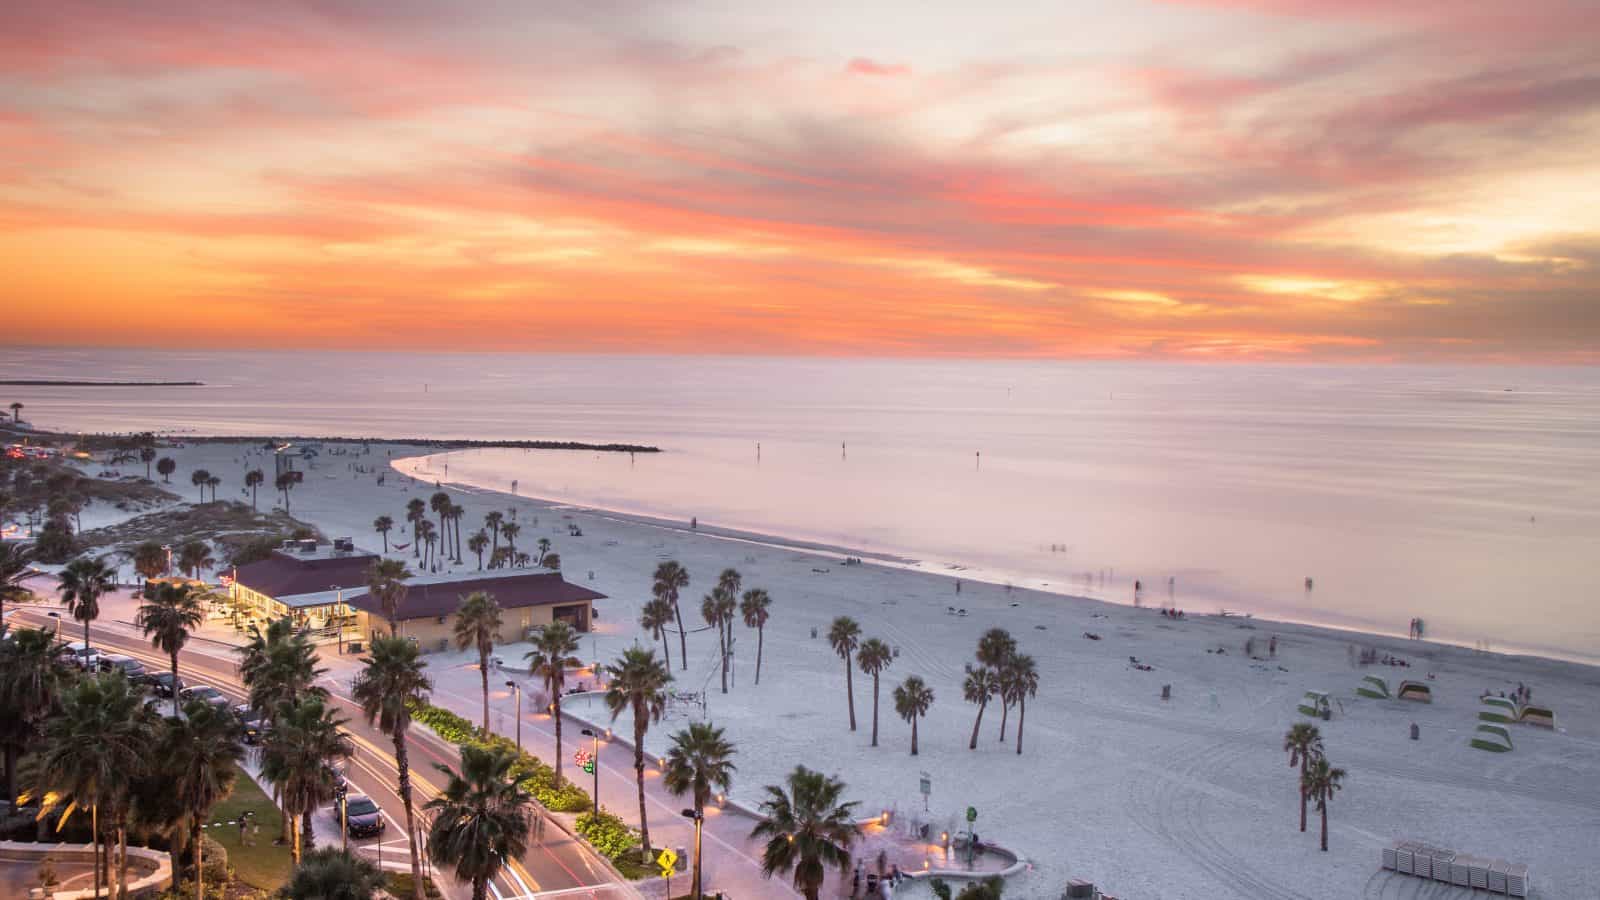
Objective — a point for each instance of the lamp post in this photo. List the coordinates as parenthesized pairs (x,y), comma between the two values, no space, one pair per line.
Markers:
(338,611)
(590,733)
(699,821)
(518,688)
(167,548)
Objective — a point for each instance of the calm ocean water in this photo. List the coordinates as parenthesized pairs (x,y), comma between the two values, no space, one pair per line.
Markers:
(1465,495)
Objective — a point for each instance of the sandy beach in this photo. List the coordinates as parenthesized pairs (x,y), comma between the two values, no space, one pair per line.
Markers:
(1183,798)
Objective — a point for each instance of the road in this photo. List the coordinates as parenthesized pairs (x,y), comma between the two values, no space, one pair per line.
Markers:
(556,863)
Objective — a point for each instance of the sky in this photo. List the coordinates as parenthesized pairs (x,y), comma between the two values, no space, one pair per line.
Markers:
(1190,179)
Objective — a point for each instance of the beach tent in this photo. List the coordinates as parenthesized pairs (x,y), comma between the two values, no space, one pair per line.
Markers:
(1498,709)
(1538,715)
(1415,690)
(1373,686)
(1315,704)
(1493,738)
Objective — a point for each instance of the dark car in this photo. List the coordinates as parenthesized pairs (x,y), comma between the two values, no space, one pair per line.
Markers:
(253,722)
(161,683)
(362,816)
(129,666)
(207,693)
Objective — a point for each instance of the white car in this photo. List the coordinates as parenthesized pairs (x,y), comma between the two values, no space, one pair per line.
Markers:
(83,656)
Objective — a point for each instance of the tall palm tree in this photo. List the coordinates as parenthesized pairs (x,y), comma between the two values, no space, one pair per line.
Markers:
(807,829)
(166,465)
(873,657)
(1303,743)
(478,543)
(995,647)
(203,750)
(329,873)
(754,607)
(194,556)
(416,509)
(700,761)
(1022,681)
(1320,782)
(845,635)
(383,525)
(33,673)
(727,597)
(83,582)
(456,512)
(386,582)
(980,684)
(492,522)
(717,610)
(509,531)
(297,756)
(552,653)
(253,480)
(199,478)
(430,537)
(387,688)
(167,621)
(16,565)
(654,618)
(103,738)
(477,626)
(279,665)
(285,483)
(213,482)
(147,455)
(482,817)
(670,578)
(911,700)
(638,684)
(440,504)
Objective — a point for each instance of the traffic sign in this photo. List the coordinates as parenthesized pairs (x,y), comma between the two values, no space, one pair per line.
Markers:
(972,814)
(668,860)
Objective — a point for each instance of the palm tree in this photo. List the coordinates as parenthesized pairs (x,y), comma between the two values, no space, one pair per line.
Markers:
(754,608)
(198,478)
(844,635)
(279,666)
(440,504)
(16,413)
(166,465)
(478,543)
(981,684)
(253,480)
(638,684)
(212,483)
(167,621)
(147,455)
(386,582)
(670,578)
(482,817)
(415,510)
(330,873)
(1022,681)
(285,483)
(700,761)
(711,609)
(911,700)
(456,512)
(297,757)
(552,653)
(203,749)
(430,536)
(807,829)
(16,565)
(509,531)
(727,602)
(477,625)
(383,525)
(873,657)
(492,522)
(33,673)
(149,559)
(655,617)
(83,582)
(1320,783)
(1303,743)
(386,690)
(194,556)
(101,741)
(995,647)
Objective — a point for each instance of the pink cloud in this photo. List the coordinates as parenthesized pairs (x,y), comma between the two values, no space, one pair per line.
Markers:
(863,66)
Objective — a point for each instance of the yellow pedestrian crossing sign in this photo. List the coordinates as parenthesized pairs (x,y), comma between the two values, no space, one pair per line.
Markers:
(668,860)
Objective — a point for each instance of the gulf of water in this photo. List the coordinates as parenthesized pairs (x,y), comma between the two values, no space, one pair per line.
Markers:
(1468,496)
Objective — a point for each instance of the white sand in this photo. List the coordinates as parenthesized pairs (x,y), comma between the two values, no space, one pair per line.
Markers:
(1187,798)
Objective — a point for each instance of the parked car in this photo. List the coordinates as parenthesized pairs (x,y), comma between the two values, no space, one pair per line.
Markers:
(255,724)
(126,664)
(161,683)
(362,816)
(83,656)
(205,692)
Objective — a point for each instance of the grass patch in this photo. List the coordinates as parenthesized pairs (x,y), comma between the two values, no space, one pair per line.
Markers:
(229,523)
(260,864)
(400,885)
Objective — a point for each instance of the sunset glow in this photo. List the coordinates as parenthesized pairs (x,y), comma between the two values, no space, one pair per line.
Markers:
(1264,179)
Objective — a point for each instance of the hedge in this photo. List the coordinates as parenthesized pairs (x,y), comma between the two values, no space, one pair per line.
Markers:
(536,777)
(615,841)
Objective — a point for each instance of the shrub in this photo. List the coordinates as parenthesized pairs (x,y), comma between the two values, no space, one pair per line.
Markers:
(614,840)
(536,776)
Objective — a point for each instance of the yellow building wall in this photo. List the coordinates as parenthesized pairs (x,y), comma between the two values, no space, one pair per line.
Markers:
(430,631)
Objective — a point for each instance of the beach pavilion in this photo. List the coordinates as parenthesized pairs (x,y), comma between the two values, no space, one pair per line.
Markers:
(302,579)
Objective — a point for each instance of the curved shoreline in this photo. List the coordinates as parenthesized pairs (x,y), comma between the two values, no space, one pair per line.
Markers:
(957,571)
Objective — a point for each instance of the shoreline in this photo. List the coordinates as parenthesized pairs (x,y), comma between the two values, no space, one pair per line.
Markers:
(950,570)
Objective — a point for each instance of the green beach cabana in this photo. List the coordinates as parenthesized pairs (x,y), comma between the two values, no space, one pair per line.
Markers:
(1415,690)
(1373,686)
(1540,716)
(1493,738)
(1315,704)
(1498,709)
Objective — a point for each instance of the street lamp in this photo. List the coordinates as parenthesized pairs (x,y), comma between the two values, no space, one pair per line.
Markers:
(338,611)
(518,688)
(699,822)
(591,733)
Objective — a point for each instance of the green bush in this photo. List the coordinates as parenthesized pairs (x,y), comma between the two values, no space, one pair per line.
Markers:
(615,841)
(536,777)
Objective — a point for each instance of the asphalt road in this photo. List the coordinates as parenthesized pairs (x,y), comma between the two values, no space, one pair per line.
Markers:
(557,863)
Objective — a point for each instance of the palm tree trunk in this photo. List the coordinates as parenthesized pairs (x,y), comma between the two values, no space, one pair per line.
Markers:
(1302,793)
(973,744)
(1005,709)
(850,691)
(253,488)
(638,771)
(122,856)
(760,633)
(1324,827)
(666,649)
(483,669)
(480,888)
(85,633)
(875,710)
(557,696)
(385,541)
(175,690)
(402,764)
(308,836)
(94,828)
(1022,714)
(683,644)
(294,842)
(11,772)
(199,859)
(914,719)
(722,644)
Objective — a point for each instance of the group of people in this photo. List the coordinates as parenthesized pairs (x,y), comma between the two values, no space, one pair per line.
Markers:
(881,882)
(1171,613)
